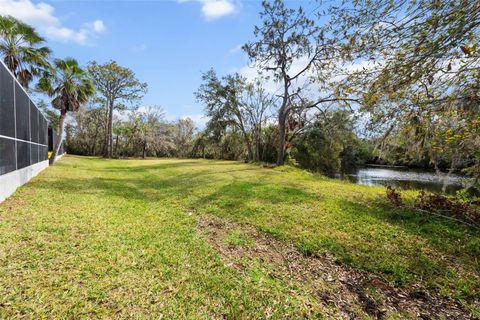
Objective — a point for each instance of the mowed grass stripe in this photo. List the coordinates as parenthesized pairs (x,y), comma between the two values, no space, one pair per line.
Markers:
(118,238)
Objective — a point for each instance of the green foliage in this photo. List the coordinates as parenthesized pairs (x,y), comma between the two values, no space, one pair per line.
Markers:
(420,85)
(116,83)
(232,103)
(68,85)
(288,36)
(20,46)
(117,86)
(330,144)
(144,133)
(316,150)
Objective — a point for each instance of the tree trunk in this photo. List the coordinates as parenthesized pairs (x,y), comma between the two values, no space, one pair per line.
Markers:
(105,140)
(282,118)
(94,145)
(248,142)
(104,146)
(61,121)
(110,131)
(281,136)
(144,148)
(105,134)
(249,147)
(116,146)
(258,135)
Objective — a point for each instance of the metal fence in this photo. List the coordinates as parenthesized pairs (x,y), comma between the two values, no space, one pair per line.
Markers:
(23,128)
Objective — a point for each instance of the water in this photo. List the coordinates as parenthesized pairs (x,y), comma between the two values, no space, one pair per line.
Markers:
(406,179)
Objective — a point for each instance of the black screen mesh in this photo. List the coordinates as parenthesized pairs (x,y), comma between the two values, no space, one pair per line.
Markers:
(43,153)
(23,123)
(42,135)
(34,127)
(33,153)
(22,105)
(7,111)
(7,155)
(23,154)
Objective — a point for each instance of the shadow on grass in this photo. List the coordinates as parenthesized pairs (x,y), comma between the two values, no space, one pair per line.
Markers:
(167,164)
(238,196)
(235,197)
(394,243)
(149,182)
(372,244)
(437,251)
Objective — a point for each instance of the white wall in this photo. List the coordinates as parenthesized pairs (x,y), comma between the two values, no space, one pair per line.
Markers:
(9,182)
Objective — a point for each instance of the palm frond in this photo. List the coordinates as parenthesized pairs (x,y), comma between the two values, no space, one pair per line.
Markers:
(19,46)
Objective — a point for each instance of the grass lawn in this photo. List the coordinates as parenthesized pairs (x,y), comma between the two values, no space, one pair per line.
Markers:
(94,238)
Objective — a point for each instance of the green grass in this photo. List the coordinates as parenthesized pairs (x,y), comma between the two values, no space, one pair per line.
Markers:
(118,238)
(237,238)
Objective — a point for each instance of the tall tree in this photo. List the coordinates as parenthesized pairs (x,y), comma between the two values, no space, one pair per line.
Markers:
(89,127)
(420,83)
(222,98)
(22,50)
(417,43)
(257,103)
(298,53)
(183,134)
(70,88)
(152,135)
(118,86)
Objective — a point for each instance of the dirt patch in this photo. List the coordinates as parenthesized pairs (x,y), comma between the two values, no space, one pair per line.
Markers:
(12,204)
(341,291)
(17,200)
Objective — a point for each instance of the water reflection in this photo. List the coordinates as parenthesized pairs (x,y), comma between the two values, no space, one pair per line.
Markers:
(405,179)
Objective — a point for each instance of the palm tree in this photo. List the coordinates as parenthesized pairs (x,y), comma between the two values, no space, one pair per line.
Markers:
(20,47)
(70,88)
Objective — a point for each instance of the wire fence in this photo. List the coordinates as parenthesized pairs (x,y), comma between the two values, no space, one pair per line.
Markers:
(23,128)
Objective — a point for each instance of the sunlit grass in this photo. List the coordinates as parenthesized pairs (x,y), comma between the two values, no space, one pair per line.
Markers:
(118,238)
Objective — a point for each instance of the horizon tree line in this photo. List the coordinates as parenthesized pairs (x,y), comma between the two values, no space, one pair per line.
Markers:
(409,70)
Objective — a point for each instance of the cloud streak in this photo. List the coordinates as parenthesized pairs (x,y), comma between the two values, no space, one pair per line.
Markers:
(42,16)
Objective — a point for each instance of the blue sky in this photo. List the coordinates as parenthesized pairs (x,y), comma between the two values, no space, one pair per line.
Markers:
(167,43)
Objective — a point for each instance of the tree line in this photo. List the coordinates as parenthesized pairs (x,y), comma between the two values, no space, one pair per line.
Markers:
(97,96)
(141,132)
(394,82)
(404,72)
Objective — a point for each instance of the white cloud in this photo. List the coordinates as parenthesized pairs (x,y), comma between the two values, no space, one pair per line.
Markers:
(188,111)
(217,8)
(98,26)
(200,120)
(214,9)
(42,16)
(252,74)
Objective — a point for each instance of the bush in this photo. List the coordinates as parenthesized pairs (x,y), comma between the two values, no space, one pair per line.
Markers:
(456,207)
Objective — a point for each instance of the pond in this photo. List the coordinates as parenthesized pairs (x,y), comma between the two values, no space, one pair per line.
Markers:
(405,178)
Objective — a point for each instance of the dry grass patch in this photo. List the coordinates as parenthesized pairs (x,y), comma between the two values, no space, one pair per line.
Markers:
(337,290)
